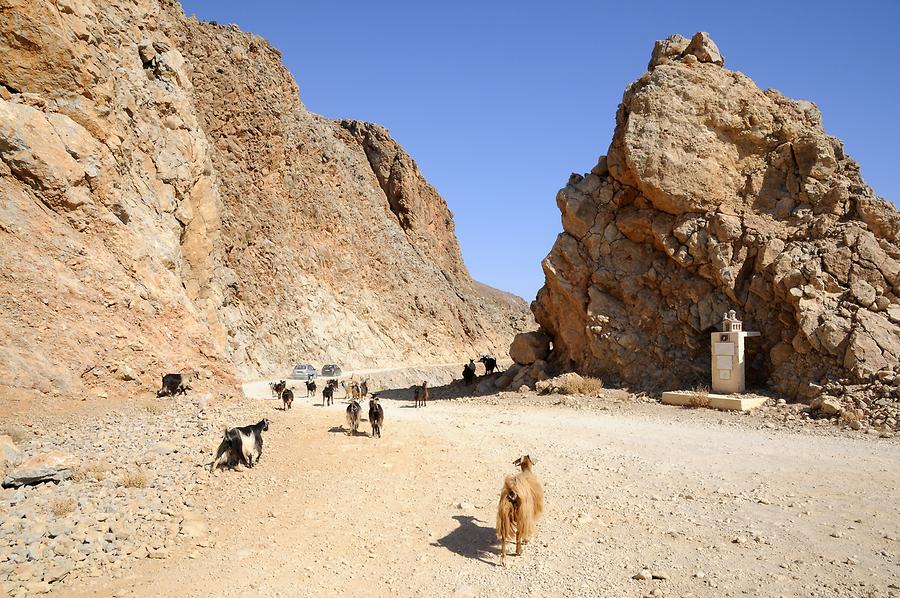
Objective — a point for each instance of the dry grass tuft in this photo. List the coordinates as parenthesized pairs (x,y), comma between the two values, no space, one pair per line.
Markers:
(700,396)
(62,507)
(134,479)
(90,472)
(156,408)
(581,385)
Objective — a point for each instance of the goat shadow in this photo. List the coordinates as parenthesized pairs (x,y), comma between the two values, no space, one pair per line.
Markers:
(471,540)
(453,390)
(343,430)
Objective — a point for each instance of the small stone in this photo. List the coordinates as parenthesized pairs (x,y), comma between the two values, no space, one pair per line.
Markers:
(126,373)
(643,575)
(837,534)
(464,591)
(739,540)
(37,587)
(59,570)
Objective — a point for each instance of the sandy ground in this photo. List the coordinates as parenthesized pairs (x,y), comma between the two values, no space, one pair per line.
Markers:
(715,506)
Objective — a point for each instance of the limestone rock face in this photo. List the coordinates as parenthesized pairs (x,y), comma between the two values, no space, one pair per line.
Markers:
(170,205)
(716,195)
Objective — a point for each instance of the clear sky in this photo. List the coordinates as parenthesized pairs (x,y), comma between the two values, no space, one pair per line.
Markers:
(499,101)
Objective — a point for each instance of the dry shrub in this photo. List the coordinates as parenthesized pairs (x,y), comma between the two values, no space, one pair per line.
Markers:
(156,408)
(90,472)
(17,433)
(134,479)
(62,506)
(699,396)
(581,385)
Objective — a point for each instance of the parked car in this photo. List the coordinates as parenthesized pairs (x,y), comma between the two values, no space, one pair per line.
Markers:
(331,370)
(303,371)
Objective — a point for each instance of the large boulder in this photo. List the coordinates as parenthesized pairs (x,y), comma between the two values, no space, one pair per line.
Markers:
(52,466)
(716,195)
(528,347)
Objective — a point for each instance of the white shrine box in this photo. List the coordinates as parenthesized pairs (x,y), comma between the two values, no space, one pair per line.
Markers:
(728,355)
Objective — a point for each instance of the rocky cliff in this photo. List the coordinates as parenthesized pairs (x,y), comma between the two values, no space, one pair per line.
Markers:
(716,195)
(169,203)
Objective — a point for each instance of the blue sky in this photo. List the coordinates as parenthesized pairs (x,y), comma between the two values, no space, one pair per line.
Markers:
(498,102)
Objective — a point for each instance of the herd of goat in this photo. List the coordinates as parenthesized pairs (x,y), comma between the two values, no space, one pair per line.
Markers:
(522,496)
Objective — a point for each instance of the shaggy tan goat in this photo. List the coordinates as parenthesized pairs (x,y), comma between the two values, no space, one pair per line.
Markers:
(521,503)
(351,390)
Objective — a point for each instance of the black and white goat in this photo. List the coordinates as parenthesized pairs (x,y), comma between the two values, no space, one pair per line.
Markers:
(353,410)
(241,445)
(490,364)
(311,388)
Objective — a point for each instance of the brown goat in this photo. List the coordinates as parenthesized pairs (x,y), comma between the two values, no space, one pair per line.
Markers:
(351,390)
(421,394)
(521,503)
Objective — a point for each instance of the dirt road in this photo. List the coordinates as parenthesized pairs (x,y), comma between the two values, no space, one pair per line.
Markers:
(379,377)
(717,510)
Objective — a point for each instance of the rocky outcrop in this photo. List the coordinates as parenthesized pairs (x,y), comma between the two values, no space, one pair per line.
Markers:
(716,195)
(170,204)
(52,466)
(528,347)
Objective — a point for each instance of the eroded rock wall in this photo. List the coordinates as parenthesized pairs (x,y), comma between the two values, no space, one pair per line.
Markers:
(716,195)
(169,203)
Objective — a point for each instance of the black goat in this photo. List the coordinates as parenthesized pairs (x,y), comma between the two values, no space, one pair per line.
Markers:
(311,388)
(376,416)
(490,364)
(240,444)
(175,384)
(278,387)
(353,410)
(328,392)
(469,372)
(287,397)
